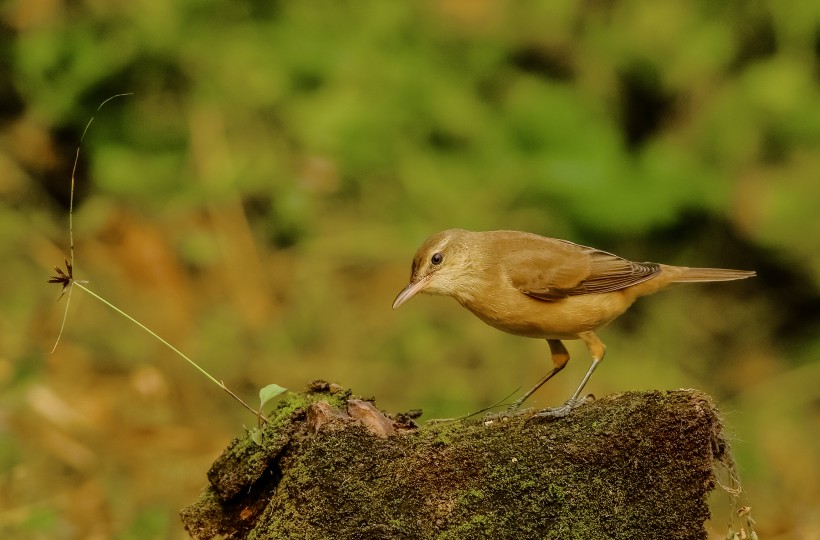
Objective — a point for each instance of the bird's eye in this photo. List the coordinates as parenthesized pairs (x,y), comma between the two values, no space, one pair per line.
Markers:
(437,258)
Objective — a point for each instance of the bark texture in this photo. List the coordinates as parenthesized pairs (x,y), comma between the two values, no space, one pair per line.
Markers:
(628,466)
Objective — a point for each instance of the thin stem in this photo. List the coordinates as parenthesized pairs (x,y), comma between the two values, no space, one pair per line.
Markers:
(65,318)
(71,215)
(71,282)
(180,353)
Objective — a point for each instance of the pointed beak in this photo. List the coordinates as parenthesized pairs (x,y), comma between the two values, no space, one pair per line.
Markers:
(410,291)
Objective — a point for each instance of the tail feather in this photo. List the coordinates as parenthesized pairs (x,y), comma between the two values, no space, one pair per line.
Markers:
(693,275)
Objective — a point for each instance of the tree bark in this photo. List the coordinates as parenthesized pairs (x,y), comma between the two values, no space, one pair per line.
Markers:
(631,466)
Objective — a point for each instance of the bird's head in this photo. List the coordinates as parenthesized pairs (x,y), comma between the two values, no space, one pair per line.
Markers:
(439,266)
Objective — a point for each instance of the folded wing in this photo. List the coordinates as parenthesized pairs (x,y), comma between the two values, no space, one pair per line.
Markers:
(550,270)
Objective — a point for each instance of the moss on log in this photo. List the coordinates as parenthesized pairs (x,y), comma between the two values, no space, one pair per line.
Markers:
(631,466)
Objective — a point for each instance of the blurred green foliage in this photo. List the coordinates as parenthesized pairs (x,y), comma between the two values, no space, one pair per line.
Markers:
(258,198)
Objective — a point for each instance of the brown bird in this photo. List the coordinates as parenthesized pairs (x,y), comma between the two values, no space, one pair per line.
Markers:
(539,287)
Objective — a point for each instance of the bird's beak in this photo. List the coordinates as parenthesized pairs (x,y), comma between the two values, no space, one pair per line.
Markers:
(410,291)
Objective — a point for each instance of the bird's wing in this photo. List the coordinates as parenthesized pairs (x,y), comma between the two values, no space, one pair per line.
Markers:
(557,269)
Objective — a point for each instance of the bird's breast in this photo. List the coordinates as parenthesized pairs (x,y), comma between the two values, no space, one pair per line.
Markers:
(514,312)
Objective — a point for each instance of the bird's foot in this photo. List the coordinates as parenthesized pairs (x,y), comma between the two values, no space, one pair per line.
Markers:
(565,409)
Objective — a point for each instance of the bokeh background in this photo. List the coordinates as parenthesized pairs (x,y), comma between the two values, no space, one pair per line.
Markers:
(258,199)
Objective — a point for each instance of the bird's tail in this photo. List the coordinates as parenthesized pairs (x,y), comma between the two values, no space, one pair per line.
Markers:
(694,275)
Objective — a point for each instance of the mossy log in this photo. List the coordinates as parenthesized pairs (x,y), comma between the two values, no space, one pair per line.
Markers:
(631,466)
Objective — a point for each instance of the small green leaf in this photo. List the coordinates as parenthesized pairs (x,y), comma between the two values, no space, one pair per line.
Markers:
(269,392)
(256,436)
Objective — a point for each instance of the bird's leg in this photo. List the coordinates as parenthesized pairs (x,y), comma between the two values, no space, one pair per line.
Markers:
(560,357)
(598,349)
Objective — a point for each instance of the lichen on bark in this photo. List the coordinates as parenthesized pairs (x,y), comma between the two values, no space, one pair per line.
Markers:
(631,466)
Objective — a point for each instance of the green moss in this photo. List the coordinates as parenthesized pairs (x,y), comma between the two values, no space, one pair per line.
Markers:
(470,496)
(476,527)
(555,492)
(624,467)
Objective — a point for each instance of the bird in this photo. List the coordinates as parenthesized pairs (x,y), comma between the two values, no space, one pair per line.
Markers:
(539,287)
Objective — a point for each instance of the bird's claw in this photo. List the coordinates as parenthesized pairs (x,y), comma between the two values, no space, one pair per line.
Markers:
(565,409)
